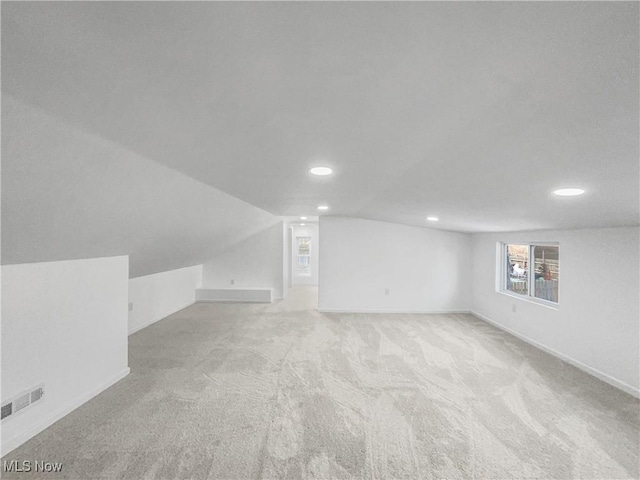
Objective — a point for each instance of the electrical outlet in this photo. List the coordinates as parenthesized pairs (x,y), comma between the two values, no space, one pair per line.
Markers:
(514,308)
(131,306)
(233,282)
(387,291)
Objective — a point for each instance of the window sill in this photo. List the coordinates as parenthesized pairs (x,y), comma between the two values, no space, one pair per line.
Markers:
(527,298)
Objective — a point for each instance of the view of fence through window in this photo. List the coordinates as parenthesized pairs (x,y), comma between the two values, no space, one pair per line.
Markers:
(545,275)
(547,270)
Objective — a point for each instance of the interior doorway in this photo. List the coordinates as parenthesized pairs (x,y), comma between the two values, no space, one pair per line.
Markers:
(304,254)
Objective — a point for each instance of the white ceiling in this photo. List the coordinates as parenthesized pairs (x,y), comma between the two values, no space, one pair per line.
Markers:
(472,111)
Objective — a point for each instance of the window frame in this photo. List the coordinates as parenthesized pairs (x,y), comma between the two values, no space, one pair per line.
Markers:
(502,273)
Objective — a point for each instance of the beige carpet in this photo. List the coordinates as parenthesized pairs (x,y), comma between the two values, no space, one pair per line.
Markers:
(282,391)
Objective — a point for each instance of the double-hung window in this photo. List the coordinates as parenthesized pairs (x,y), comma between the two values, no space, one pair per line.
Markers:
(531,270)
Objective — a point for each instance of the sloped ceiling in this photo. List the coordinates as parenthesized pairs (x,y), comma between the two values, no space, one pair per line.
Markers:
(67,194)
(472,111)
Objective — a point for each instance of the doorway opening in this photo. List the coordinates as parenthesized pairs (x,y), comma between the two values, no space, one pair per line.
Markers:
(303,254)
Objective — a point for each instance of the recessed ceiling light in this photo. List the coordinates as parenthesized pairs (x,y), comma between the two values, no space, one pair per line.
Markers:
(303,218)
(320,171)
(323,207)
(302,224)
(569,192)
(432,219)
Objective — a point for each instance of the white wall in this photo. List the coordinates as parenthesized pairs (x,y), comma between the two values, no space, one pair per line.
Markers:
(425,270)
(256,262)
(64,324)
(309,230)
(596,324)
(156,296)
(286,256)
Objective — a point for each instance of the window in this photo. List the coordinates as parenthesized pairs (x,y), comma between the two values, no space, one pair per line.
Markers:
(531,270)
(304,257)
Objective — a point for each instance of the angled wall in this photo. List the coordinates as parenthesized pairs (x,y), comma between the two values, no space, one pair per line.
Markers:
(156,296)
(257,262)
(68,194)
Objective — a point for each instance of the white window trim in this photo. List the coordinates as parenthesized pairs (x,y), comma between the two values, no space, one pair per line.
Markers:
(501,282)
(527,298)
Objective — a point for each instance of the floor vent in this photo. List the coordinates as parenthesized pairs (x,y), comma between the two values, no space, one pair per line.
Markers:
(22,401)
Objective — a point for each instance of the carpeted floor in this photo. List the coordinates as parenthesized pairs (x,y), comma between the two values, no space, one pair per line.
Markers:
(282,391)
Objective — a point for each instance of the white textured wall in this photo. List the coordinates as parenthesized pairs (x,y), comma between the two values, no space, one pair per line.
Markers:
(64,324)
(596,324)
(161,294)
(257,262)
(425,270)
(309,230)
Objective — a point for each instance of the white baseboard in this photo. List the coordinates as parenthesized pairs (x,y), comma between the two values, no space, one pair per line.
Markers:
(136,328)
(614,382)
(14,442)
(234,295)
(234,300)
(381,310)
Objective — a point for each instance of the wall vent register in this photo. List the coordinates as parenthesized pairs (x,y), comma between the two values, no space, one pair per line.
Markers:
(22,401)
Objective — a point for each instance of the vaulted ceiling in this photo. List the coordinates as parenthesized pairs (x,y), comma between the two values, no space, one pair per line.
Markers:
(68,194)
(471,111)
